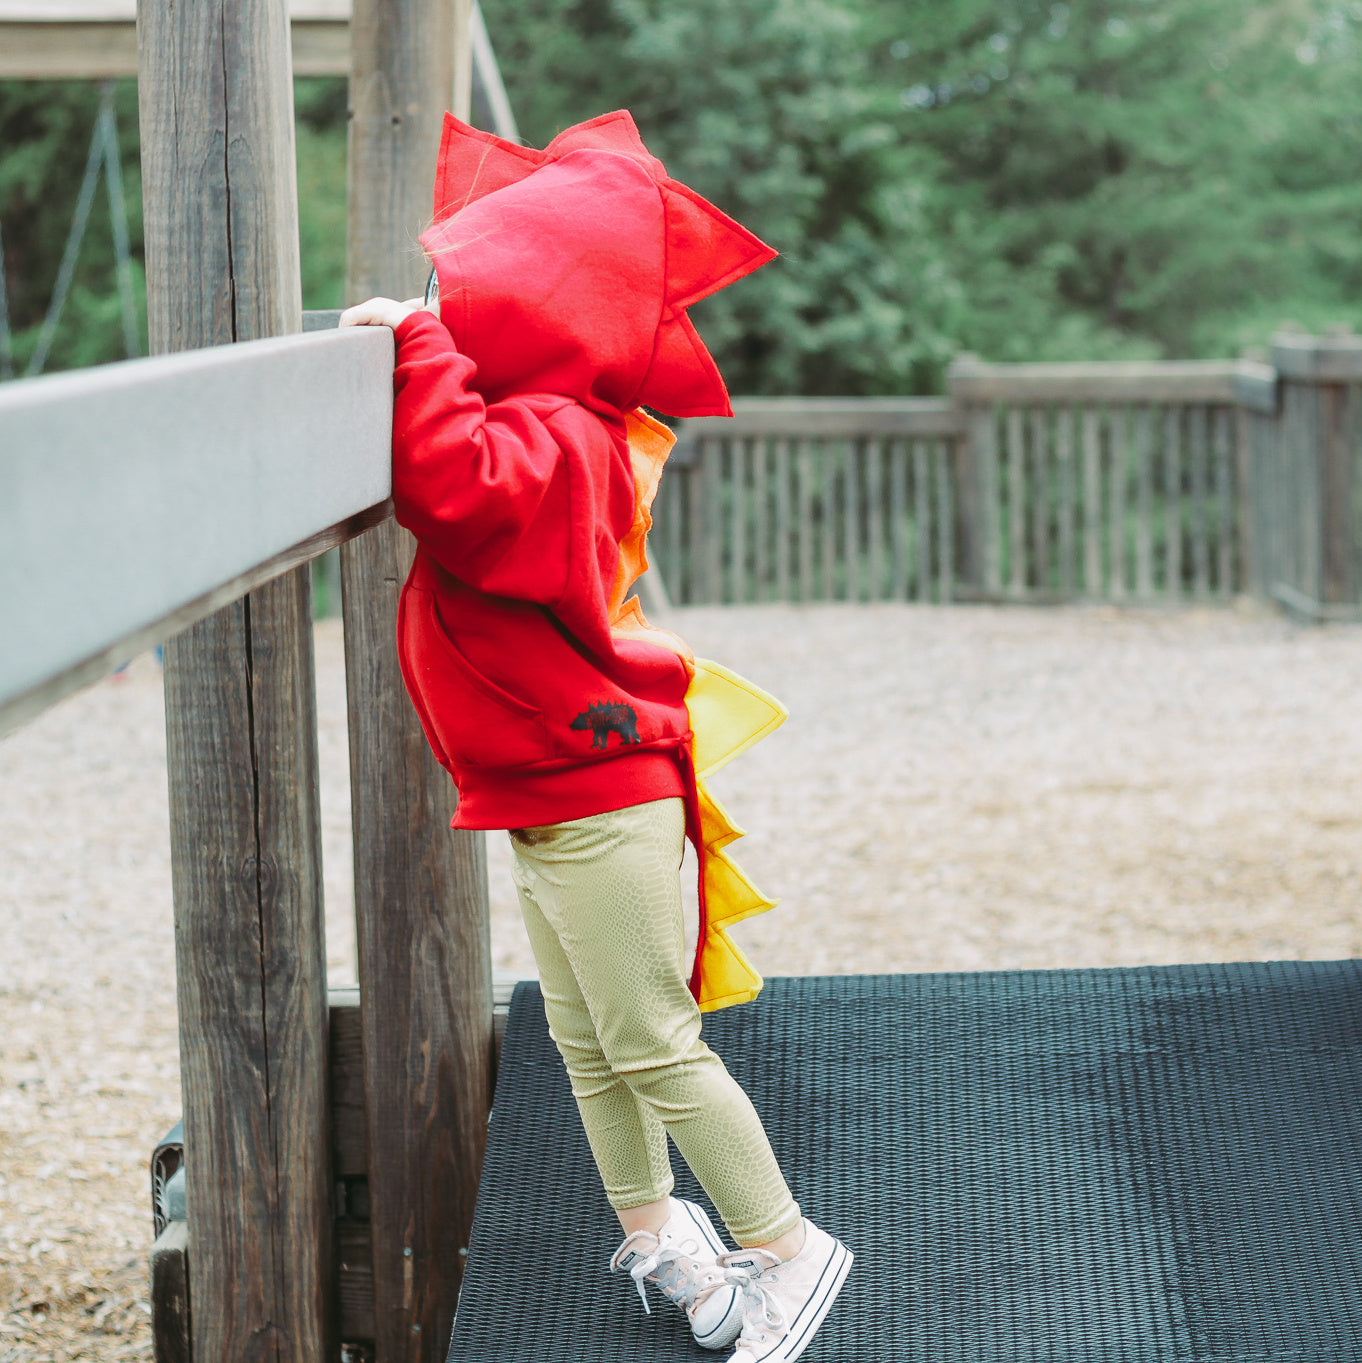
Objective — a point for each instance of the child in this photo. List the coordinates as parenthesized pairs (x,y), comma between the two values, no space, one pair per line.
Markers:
(525,468)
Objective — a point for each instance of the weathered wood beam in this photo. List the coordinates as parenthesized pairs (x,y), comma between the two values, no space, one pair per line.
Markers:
(220,203)
(807,417)
(1318,359)
(420,890)
(1183,381)
(139,497)
(95,39)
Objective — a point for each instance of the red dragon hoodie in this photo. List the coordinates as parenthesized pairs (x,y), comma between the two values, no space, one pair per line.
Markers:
(525,468)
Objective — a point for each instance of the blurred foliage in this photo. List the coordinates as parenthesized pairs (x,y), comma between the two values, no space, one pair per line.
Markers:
(45,133)
(1025,179)
(1134,177)
(768,108)
(320,106)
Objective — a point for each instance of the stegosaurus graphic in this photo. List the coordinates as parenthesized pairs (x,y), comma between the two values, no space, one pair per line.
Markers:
(605,717)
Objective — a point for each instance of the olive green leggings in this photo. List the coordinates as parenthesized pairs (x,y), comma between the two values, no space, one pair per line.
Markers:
(602,903)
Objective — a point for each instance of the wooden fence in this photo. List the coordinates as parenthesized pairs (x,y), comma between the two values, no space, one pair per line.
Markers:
(1056,482)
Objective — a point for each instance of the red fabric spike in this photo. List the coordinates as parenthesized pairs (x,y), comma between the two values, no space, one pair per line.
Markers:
(683,379)
(473,163)
(706,249)
(615,132)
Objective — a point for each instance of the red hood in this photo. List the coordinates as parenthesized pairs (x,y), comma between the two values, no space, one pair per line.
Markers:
(569,270)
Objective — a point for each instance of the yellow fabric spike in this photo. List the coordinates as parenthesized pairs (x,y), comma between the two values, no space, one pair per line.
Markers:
(727,714)
(716,824)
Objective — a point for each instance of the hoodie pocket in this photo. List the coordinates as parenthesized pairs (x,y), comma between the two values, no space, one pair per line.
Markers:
(477,722)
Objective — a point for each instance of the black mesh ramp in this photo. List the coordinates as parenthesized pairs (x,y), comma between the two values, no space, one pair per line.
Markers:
(1159,1165)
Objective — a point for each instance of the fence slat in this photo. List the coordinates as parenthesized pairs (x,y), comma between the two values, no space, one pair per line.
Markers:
(874,515)
(1064,458)
(922,460)
(673,497)
(1144,524)
(1116,528)
(899,454)
(805,464)
(738,498)
(991,507)
(828,520)
(1201,558)
(1092,502)
(758,575)
(1172,501)
(1016,502)
(710,557)
(782,526)
(945,459)
(1040,499)
(852,552)
(1226,523)
(1248,503)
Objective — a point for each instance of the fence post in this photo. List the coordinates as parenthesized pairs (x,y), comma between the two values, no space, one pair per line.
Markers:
(1256,438)
(1321,444)
(978,563)
(420,890)
(216,97)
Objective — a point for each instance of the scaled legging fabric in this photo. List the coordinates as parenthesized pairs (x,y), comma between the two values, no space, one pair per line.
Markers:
(602,903)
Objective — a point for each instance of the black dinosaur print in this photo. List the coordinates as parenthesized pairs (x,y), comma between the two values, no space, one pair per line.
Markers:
(605,717)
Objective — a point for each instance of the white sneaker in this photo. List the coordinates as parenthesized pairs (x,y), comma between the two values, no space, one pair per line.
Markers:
(785,1302)
(681,1261)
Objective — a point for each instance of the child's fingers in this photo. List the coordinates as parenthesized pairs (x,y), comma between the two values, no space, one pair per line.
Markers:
(376,312)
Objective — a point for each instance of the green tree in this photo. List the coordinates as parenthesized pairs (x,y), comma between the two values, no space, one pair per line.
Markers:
(45,131)
(766,108)
(1128,177)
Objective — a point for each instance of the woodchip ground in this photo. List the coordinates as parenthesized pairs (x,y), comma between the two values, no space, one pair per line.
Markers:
(956,789)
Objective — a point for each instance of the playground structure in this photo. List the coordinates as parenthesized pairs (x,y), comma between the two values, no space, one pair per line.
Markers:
(122,539)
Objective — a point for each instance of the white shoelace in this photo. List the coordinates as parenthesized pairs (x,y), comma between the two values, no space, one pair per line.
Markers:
(760,1308)
(677,1273)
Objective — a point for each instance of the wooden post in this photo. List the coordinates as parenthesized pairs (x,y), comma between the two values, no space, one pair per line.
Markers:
(420,889)
(216,95)
(971,453)
(1322,380)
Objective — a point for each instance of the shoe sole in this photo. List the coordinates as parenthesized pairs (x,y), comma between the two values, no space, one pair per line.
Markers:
(805,1325)
(730,1326)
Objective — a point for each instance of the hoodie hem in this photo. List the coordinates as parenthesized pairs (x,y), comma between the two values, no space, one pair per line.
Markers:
(526,798)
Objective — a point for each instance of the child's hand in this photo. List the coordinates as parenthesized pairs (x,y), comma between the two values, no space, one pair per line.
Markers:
(379,312)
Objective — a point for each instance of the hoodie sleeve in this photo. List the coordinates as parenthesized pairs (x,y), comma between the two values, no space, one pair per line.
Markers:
(501,495)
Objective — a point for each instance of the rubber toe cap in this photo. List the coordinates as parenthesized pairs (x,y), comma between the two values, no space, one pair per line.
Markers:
(717,1320)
